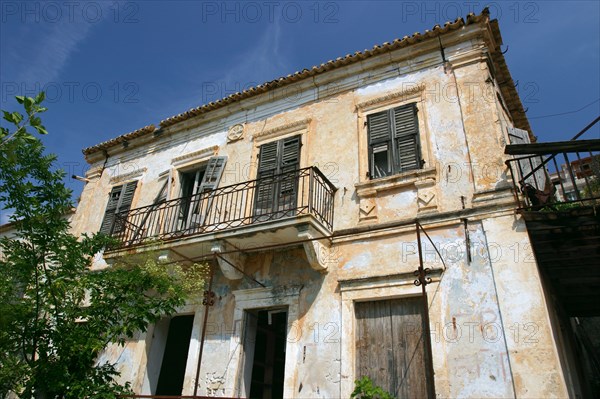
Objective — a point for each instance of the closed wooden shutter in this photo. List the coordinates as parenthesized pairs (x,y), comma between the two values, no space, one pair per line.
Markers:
(265,187)
(290,160)
(119,200)
(406,134)
(267,160)
(392,348)
(276,188)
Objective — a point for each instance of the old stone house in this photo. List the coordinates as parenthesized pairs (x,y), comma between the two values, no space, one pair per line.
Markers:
(360,221)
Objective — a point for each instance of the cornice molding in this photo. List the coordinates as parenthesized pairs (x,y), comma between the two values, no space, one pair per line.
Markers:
(94,173)
(127,176)
(403,94)
(282,129)
(195,156)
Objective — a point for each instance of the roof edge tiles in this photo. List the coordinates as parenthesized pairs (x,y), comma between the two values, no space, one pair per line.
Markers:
(316,70)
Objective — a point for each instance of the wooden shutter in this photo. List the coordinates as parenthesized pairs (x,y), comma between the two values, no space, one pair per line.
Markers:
(162,194)
(109,213)
(379,127)
(210,181)
(119,200)
(406,135)
(288,184)
(212,174)
(380,154)
(267,168)
(290,153)
(276,188)
(267,159)
(400,127)
(392,348)
(127,196)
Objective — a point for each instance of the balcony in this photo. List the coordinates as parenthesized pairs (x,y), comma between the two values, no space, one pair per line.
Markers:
(557,186)
(290,208)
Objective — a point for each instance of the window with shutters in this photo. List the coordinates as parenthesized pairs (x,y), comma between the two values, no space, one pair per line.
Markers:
(393,141)
(196,185)
(119,200)
(276,189)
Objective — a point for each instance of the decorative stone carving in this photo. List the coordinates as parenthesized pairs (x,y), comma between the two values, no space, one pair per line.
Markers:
(227,261)
(236,132)
(367,209)
(426,195)
(316,251)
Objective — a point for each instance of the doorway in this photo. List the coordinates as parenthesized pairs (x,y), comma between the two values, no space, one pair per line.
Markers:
(190,185)
(172,369)
(392,346)
(265,345)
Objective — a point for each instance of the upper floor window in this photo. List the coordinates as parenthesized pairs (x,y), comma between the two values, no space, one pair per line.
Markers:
(277,181)
(195,208)
(119,200)
(393,141)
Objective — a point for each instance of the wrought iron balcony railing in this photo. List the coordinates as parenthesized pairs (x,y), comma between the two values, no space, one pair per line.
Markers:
(301,192)
(556,173)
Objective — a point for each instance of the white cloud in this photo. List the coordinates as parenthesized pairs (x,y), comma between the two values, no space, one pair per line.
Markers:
(47,57)
(262,62)
(254,65)
(40,47)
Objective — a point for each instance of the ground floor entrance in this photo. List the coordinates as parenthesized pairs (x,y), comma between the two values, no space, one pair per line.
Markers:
(264,346)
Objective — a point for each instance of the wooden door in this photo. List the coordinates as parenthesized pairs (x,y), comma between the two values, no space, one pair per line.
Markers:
(392,347)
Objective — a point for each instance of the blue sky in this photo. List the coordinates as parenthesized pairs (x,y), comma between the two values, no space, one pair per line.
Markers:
(112,67)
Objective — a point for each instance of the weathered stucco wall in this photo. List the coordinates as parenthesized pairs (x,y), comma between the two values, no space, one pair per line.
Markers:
(490,334)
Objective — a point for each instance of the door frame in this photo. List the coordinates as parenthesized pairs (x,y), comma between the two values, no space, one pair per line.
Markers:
(373,289)
(261,299)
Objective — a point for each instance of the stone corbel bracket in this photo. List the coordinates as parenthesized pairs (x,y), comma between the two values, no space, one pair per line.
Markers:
(316,250)
(227,258)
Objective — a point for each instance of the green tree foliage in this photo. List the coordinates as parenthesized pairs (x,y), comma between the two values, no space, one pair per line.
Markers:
(365,389)
(57,315)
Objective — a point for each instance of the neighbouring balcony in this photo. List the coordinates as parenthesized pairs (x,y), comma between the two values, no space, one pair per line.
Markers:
(277,209)
(557,175)
(558,190)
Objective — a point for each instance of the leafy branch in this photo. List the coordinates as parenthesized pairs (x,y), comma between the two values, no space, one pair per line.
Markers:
(56,314)
(32,108)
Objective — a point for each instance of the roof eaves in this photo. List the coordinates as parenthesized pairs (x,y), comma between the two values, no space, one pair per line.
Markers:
(297,76)
(120,139)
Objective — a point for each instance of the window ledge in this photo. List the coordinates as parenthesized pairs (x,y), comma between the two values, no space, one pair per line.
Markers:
(410,178)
